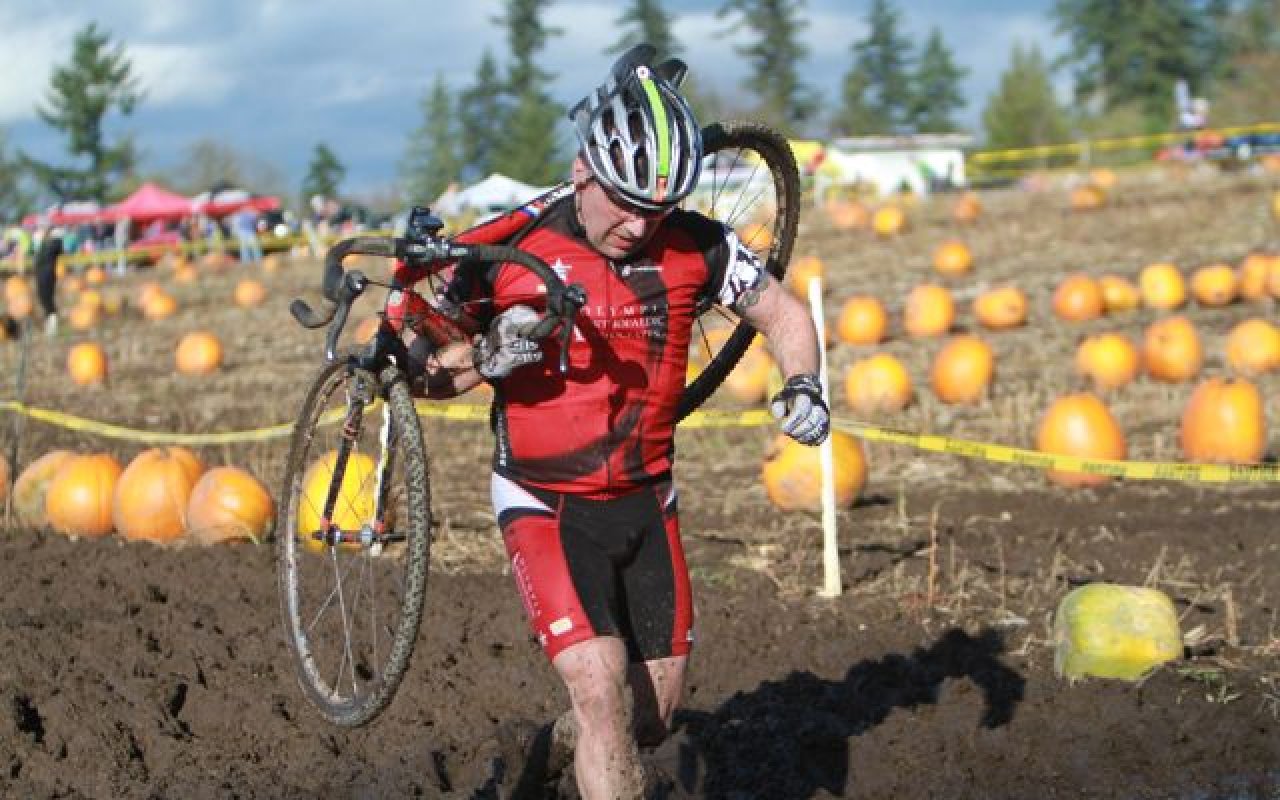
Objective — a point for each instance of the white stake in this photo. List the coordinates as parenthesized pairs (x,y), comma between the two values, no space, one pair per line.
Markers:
(831,584)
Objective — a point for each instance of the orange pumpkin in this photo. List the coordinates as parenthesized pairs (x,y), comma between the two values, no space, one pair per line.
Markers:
(748,382)
(846,215)
(216,262)
(1103,178)
(929,311)
(32,485)
(150,501)
(1254,271)
(87,364)
(185,273)
(161,305)
(801,271)
(112,302)
(1119,294)
(952,258)
(1088,198)
(229,504)
(15,285)
(90,298)
(863,320)
(1215,286)
(877,384)
(250,293)
(271,263)
(1273,278)
(198,353)
(95,275)
(78,500)
(889,221)
(962,370)
(1080,425)
(756,236)
(1163,287)
(792,473)
(1109,360)
(1224,422)
(1171,350)
(1078,298)
(1001,309)
(967,208)
(20,305)
(148,292)
(1253,347)
(83,317)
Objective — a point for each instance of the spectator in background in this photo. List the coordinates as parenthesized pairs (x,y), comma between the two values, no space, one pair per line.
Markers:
(244,224)
(122,245)
(51,247)
(19,247)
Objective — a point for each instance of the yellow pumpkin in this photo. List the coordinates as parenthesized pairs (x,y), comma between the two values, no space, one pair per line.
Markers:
(1119,294)
(32,485)
(250,293)
(962,370)
(862,321)
(161,305)
(801,271)
(878,384)
(889,221)
(756,236)
(1078,299)
(953,258)
(83,317)
(87,364)
(151,494)
(1253,347)
(748,382)
(228,504)
(1001,309)
(792,473)
(1080,425)
(78,500)
(1224,422)
(1215,286)
(1088,198)
(1109,360)
(1171,350)
(356,499)
(1163,287)
(198,353)
(95,275)
(929,311)
(1254,271)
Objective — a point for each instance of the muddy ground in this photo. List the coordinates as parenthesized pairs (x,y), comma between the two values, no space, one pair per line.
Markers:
(130,670)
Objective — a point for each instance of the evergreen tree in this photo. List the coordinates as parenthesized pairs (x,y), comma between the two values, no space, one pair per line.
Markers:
(528,145)
(645,21)
(207,163)
(877,89)
(1132,53)
(481,109)
(774,57)
(98,80)
(1023,111)
(431,159)
(324,174)
(15,202)
(936,93)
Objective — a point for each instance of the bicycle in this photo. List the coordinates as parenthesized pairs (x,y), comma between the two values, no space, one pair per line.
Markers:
(354,530)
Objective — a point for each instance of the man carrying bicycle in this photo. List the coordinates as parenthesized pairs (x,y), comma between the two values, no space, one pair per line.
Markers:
(582,485)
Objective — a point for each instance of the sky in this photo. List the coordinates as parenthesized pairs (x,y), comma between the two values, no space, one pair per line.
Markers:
(272,78)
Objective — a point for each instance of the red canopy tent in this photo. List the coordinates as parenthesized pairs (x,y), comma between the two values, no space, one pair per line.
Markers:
(150,202)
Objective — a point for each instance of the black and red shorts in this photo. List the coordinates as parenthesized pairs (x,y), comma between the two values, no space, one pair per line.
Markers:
(599,567)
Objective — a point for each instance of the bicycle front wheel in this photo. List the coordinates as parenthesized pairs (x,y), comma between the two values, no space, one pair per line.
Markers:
(749,182)
(353,541)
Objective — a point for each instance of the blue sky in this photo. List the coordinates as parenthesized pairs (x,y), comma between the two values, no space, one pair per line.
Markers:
(274,77)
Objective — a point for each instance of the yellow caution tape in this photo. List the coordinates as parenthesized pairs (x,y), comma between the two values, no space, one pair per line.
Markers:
(1118,143)
(985,451)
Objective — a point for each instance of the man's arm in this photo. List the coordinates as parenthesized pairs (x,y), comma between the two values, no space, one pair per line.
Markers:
(785,323)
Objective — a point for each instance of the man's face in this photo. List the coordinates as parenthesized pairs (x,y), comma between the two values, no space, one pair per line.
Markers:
(616,230)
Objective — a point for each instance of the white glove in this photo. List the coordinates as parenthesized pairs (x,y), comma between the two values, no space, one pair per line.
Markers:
(507,344)
(799,405)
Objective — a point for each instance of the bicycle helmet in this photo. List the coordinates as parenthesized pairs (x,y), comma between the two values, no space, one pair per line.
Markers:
(638,135)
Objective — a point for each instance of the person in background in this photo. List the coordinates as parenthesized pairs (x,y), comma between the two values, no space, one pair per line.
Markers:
(46,263)
(244,224)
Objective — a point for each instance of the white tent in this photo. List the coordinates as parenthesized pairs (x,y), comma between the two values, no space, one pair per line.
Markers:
(494,193)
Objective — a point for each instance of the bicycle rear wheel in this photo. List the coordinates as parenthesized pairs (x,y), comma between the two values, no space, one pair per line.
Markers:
(354,541)
(750,183)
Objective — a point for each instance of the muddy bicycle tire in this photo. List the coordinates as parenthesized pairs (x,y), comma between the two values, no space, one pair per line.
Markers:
(772,149)
(374,680)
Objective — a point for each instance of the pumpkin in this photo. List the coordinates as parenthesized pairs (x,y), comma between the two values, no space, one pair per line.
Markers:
(72,284)
(1103,178)
(967,208)
(1215,286)
(150,501)
(216,262)
(1224,422)
(879,383)
(32,485)
(792,472)
(1171,350)
(847,215)
(148,292)
(185,274)
(355,502)
(250,293)
(889,221)
(161,305)
(229,504)
(1162,286)
(1273,278)
(1119,294)
(95,275)
(1078,299)
(271,263)
(1108,360)
(1080,425)
(1088,198)
(929,311)
(83,317)
(801,271)
(1254,271)
(952,258)
(20,305)
(1253,347)
(1001,309)
(112,302)
(863,320)
(78,500)
(756,236)
(16,285)
(748,381)
(87,364)
(962,370)
(198,353)
(90,298)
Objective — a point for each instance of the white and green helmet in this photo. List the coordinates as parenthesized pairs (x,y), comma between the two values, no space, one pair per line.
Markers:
(638,134)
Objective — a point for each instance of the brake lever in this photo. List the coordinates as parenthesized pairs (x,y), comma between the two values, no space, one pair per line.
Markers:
(573,299)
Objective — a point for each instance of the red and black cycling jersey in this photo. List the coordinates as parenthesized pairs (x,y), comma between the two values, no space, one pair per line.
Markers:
(607,426)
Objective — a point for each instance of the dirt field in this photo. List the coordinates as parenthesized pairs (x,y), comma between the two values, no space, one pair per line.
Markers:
(135,671)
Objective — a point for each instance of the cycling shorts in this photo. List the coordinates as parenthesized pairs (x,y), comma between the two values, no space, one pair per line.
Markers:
(599,567)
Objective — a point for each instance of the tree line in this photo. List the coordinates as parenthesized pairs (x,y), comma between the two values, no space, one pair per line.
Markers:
(1122,61)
